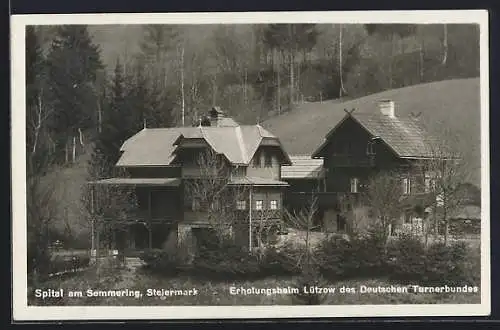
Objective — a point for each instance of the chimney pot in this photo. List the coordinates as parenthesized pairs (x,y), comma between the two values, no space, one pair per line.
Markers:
(216,114)
(386,107)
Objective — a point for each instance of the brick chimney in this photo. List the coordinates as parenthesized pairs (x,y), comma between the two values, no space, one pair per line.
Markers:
(216,114)
(386,108)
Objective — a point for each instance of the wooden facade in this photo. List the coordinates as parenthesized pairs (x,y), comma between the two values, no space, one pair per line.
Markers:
(352,156)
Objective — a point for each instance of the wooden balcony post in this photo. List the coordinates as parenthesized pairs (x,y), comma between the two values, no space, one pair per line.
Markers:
(250,221)
(150,229)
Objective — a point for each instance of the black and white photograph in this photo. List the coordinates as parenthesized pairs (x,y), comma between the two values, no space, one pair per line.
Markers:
(250,165)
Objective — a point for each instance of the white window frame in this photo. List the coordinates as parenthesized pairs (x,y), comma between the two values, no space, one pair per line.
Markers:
(406,186)
(241,204)
(427,183)
(195,204)
(259,204)
(273,204)
(354,185)
(370,151)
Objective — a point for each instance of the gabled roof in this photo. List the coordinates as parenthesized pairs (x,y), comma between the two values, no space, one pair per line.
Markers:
(406,136)
(303,167)
(157,146)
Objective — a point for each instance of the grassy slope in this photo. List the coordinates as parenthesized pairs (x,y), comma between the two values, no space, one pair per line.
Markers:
(455,103)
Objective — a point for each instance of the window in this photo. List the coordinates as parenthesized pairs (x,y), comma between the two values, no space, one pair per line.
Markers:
(273,205)
(354,185)
(241,205)
(341,223)
(215,205)
(259,204)
(268,160)
(406,186)
(195,204)
(256,160)
(370,151)
(430,183)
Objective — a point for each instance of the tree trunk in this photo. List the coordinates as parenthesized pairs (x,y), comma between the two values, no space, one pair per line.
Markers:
(80,135)
(278,82)
(73,158)
(66,152)
(245,87)
(421,58)
(291,60)
(298,89)
(391,59)
(183,102)
(214,90)
(99,116)
(342,90)
(445,44)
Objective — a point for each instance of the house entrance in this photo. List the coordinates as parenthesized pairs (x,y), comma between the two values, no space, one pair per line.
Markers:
(140,236)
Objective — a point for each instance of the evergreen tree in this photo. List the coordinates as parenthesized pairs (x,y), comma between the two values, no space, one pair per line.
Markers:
(73,62)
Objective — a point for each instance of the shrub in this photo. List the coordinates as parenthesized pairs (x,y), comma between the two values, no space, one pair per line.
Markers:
(406,259)
(162,262)
(68,263)
(449,265)
(439,264)
(360,256)
(282,261)
(226,261)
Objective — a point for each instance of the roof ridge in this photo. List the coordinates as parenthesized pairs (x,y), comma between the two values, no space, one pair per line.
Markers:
(241,144)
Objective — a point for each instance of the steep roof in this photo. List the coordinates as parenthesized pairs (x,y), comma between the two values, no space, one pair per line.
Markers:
(156,146)
(303,167)
(406,136)
(150,147)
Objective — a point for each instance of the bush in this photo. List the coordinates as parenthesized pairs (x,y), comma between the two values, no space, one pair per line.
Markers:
(360,256)
(439,264)
(281,262)
(162,262)
(406,259)
(448,264)
(68,263)
(226,261)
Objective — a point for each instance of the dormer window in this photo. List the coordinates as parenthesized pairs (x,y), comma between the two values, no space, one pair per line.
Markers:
(256,160)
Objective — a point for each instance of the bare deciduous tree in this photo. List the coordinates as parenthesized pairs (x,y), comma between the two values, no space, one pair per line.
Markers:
(383,194)
(212,193)
(303,220)
(445,173)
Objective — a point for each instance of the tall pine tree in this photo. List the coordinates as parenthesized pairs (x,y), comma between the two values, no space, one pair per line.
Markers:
(73,62)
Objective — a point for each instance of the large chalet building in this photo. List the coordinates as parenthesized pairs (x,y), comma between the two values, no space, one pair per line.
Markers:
(164,169)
